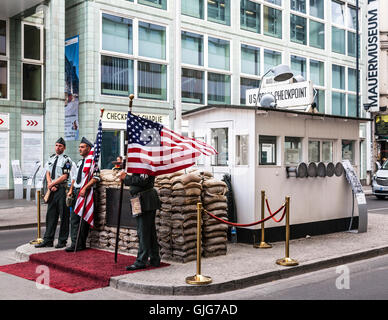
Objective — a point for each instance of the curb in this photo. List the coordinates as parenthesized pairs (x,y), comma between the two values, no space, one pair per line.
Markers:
(237,284)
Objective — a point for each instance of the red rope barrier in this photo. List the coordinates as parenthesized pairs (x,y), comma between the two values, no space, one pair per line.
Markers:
(239,224)
(269,210)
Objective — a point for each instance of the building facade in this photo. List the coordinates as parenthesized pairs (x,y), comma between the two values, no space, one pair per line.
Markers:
(173,56)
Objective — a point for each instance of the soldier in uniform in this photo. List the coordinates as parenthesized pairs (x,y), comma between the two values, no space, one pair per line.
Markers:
(58,169)
(143,185)
(77,187)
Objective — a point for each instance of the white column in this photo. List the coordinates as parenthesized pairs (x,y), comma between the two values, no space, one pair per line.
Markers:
(178,70)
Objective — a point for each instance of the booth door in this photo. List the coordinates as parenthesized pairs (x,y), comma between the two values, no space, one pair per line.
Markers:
(111,147)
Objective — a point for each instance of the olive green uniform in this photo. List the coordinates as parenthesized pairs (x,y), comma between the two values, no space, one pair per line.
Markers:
(57,165)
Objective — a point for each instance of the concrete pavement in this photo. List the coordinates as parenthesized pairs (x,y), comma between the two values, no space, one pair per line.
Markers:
(244,265)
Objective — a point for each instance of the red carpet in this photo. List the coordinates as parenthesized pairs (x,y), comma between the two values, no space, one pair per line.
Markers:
(74,272)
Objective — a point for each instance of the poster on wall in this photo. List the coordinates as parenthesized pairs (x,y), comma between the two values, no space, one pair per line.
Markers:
(71,88)
(4,161)
(32,146)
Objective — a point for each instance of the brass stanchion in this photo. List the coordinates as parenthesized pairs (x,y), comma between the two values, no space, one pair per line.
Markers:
(287,261)
(39,239)
(262,244)
(198,278)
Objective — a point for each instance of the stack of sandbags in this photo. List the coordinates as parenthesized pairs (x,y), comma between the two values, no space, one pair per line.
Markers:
(163,222)
(214,232)
(186,193)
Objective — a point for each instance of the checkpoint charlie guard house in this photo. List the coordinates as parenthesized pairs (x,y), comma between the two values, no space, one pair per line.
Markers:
(258,145)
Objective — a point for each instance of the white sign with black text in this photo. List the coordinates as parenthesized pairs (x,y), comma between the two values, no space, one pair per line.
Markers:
(373,45)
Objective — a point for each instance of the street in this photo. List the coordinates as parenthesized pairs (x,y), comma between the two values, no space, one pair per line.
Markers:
(364,280)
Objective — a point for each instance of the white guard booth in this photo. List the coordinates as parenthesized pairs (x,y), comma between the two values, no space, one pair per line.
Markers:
(256,146)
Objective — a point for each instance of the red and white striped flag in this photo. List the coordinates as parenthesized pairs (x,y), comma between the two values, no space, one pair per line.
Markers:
(155,150)
(90,165)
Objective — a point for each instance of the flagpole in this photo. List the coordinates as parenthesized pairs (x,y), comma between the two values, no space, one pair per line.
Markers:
(122,184)
(85,199)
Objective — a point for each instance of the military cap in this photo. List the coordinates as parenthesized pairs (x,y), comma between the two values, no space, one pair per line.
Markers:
(61,141)
(86,141)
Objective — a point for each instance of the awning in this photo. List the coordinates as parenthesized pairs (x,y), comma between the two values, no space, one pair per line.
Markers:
(10,8)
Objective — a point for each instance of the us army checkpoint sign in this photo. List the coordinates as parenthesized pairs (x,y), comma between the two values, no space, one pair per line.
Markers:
(286,95)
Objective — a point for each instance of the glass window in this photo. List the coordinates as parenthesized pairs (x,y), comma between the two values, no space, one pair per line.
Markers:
(314,151)
(317,8)
(317,34)
(250,15)
(218,51)
(110,148)
(272,22)
(327,151)
(271,59)
(352,105)
(116,34)
(192,48)
(267,150)
(32,82)
(246,84)
(292,150)
(193,8)
(200,161)
(317,72)
(298,29)
(352,44)
(116,76)
(152,81)
(319,100)
(152,40)
(298,66)
(219,11)
(352,79)
(3,79)
(250,60)
(338,13)
(338,74)
(337,40)
(3,37)
(193,86)
(219,138)
(338,101)
(242,150)
(348,150)
(161,4)
(298,5)
(278,2)
(218,86)
(31,42)
(351,18)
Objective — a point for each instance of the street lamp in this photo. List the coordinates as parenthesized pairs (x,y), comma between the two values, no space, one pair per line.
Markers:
(281,72)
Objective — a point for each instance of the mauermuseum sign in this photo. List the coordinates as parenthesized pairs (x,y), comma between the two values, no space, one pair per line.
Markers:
(373,44)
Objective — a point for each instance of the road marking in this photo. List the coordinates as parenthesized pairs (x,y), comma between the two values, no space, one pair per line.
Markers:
(378,209)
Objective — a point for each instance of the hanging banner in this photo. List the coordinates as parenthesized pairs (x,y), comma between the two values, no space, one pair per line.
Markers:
(373,48)
(71,88)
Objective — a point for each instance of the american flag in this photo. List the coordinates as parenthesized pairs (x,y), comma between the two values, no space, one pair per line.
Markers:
(90,165)
(154,150)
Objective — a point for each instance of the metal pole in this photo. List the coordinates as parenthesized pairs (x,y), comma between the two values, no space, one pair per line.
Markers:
(39,239)
(178,70)
(198,278)
(287,261)
(263,244)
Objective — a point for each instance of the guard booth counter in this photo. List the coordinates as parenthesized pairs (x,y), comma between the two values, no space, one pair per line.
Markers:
(262,148)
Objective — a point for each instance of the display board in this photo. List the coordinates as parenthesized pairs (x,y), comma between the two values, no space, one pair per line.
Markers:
(32,152)
(4,159)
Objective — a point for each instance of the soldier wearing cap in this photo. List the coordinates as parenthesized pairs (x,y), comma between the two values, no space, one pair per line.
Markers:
(58,169)
(78,188)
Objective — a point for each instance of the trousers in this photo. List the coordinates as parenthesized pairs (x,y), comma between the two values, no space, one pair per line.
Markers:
(75,220)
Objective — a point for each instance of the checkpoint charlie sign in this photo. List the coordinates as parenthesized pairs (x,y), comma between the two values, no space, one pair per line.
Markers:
(121,117)
(286,95)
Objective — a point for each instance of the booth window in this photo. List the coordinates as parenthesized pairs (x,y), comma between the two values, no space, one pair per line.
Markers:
(292,150)
(348,150)
(242,150)
(320,150)
(219,139)
(327,151)
(314,151)
(267,150)
(201,159)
